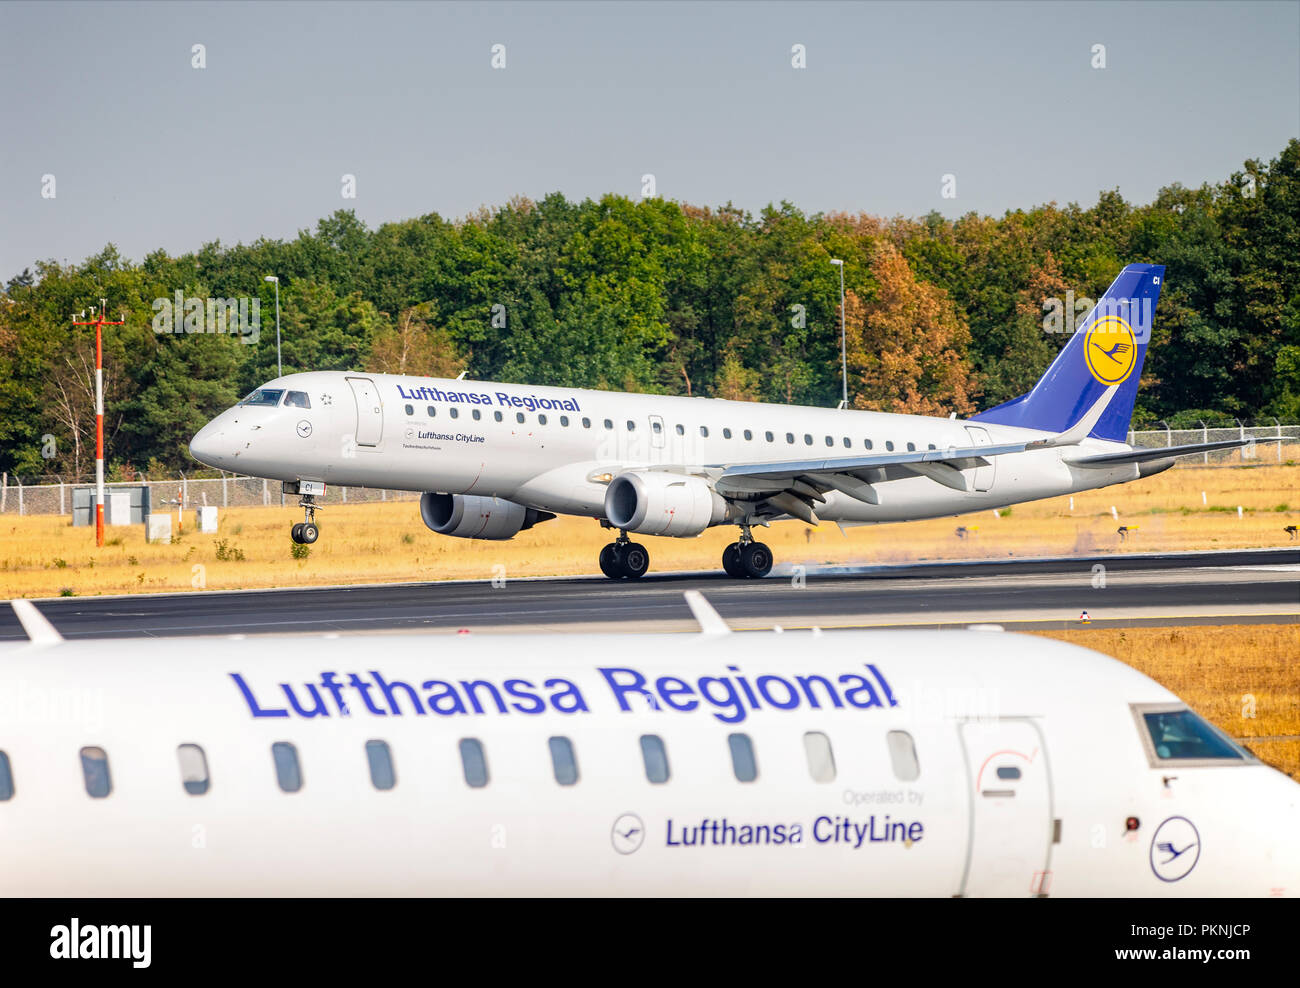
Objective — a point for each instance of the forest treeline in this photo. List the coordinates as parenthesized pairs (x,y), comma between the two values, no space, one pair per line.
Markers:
(658,296)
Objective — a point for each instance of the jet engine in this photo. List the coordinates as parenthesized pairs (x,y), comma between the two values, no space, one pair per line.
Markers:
(471,516)
(660,503)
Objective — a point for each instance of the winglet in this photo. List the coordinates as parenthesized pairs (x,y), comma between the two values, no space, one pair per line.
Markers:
(38,628)
(711,622)
(1078,432)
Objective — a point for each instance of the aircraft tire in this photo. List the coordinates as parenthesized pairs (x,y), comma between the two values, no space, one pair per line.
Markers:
(309,533)
(756,560)
(295,533)
(636,560)
(731,561)
(611,561)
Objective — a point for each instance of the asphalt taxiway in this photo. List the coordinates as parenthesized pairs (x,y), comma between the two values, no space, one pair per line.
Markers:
(1236,587)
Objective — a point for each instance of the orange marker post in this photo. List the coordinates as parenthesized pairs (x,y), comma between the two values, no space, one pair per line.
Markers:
(99,325)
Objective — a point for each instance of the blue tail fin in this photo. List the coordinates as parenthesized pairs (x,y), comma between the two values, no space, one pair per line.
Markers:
(1108,349)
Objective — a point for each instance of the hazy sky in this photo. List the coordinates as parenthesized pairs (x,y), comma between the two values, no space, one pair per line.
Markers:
(150,152)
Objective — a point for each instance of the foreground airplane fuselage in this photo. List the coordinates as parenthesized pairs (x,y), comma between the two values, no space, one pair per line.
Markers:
(493,459)
(887,763)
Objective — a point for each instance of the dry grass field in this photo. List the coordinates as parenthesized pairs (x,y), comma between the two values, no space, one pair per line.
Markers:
(1244,678)
(43,555)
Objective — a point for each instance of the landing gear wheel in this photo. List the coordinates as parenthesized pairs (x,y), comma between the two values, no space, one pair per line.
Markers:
(295,533)
(756,560)
(611,561)
(636,560)
(731,561)
(309,533)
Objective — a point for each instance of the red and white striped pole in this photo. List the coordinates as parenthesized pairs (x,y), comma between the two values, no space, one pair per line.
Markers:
(99,325)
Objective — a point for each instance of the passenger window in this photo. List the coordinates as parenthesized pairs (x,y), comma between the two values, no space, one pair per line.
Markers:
(519,417)
(6,779)
(477,414)
(609,423)
(769,436)
(433,412)
(807,439)
(704,431)
(911,447)
(789,437)
(889,445)
(655,757)
(586,423)
(830,441)
(726,433)
(681,429)
(474,762)
(564,421)
(541,419)
(866,443)
(410,409)
(94,767)
(454,413)
(931,446)
(748,435)
(287,772)
(742,757)
(297,399)
(821,760)
(847,444)
(656,427)
(631,426)
(902,755)
(1177,733)
(194,769)
(563,761)
(380,758)
(497,416)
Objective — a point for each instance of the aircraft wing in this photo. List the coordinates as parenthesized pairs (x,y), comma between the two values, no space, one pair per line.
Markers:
(793,486)
(1145,455)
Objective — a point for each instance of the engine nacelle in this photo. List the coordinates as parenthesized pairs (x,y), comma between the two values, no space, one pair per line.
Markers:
(660,503)
(471,516)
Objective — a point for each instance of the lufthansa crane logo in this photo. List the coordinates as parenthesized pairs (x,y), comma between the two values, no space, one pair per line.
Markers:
(1175,849)
(1110,350)
(627,834)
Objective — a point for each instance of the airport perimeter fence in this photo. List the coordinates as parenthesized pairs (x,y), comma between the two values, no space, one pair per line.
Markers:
(53,495)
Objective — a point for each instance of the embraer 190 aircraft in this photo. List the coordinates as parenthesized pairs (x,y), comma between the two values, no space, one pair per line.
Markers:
(885,763)
(494,459)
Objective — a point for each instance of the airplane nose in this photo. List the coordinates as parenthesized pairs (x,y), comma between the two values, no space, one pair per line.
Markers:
(205,445)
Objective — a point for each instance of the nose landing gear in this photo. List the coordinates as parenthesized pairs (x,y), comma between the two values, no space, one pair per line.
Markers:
(747,559)
(624,560)
(306,532)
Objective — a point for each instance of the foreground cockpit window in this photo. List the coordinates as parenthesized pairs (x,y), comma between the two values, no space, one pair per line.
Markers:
(264,396)
(1172,734)
(94,767)
(194,769)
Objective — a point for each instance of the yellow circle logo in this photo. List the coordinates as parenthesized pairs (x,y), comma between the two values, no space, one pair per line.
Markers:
(1110,350)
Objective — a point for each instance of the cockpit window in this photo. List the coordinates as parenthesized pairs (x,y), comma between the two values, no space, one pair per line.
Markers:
(297,399)
(1172,733)
(264,396)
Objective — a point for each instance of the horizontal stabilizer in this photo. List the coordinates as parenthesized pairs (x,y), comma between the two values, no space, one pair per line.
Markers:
(1145,455)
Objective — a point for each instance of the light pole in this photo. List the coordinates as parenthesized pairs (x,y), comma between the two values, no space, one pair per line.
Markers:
(279,371)
(844,359)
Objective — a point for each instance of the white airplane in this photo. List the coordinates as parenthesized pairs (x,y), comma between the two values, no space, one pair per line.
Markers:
(495,459)
(890,763)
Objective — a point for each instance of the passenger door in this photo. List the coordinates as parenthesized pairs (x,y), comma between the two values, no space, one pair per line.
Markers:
(370,411)
(1011,809)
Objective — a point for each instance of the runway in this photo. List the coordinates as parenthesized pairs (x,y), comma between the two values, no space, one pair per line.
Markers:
(1261,586)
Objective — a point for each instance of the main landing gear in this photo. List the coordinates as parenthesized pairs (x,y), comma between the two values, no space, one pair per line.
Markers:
(747,559)
(624,560)
(306,532)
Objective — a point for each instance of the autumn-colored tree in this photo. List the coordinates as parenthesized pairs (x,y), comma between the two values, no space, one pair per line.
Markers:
(416,347)
(735,381)
(907,345)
